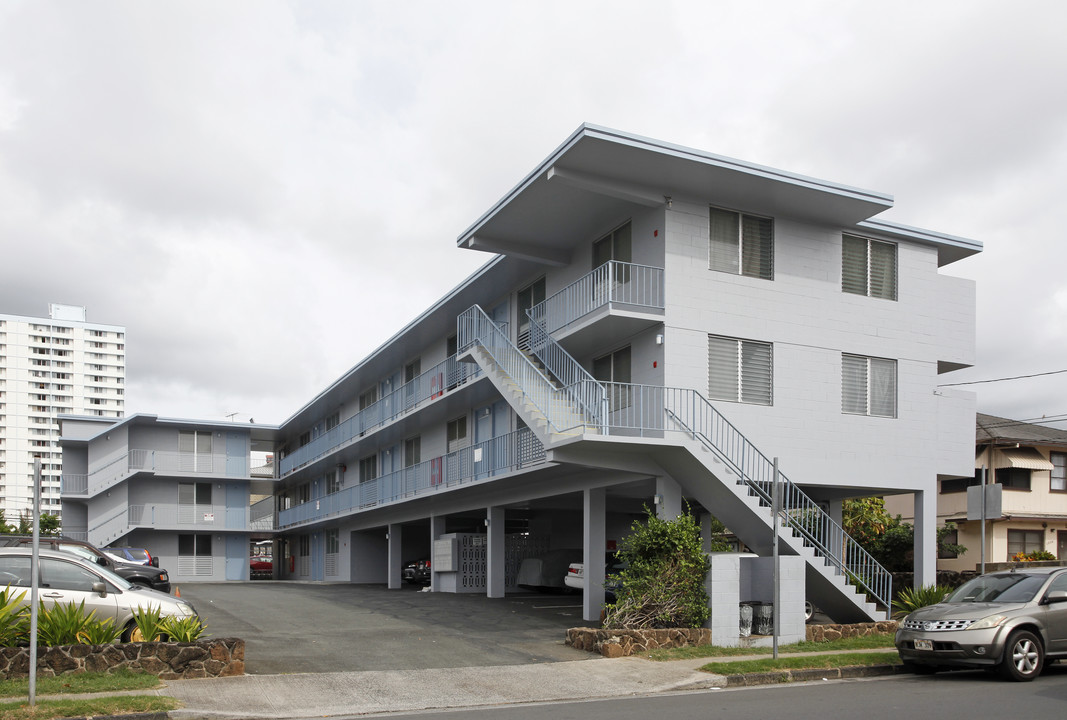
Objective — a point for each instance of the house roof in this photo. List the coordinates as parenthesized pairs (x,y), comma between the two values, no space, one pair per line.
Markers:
(993,430)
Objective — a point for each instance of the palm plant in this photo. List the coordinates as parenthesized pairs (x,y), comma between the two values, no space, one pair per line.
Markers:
(911,599)
(14,627)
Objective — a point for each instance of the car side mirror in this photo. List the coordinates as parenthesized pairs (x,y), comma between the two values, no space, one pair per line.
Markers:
(155,562)
(101,561)
(1056,596)
(100,589)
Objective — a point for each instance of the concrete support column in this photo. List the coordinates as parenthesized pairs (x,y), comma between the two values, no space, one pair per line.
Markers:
(594,543)
(926,537)
(836,510)
(494,556)
(396,561)
(669,494)
(437,529)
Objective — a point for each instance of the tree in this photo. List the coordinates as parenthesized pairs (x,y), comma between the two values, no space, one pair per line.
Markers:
(889,540)
(663,583)
(48,525)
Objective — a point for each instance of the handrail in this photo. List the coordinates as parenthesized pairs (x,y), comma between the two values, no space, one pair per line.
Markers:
(429,385)
(612,282)
(649,408)
(575,379)
(482,460)
(475,327)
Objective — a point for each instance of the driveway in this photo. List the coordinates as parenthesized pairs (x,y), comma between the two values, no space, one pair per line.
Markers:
(293,627)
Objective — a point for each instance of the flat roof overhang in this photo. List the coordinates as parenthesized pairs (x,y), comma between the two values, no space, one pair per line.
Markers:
(598,173)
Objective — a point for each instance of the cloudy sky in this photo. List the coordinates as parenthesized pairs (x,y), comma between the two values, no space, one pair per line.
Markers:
(263,192)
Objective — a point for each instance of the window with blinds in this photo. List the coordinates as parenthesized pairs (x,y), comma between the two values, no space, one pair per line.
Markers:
(194,555)
(740,370)
(869,267)
(194,451)
(742,244)
(868,386)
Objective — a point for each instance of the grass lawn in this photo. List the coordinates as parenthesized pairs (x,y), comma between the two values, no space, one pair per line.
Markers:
(860,643)
(16,692)
(103,705)
(801,662)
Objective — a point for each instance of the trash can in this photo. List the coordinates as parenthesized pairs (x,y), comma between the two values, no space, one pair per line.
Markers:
(746,619)
(762,618)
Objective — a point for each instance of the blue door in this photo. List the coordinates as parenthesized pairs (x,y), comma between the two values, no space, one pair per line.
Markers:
(236,557)
(236,455)
(490,422)
(318,555)
(236,506)
(390,399)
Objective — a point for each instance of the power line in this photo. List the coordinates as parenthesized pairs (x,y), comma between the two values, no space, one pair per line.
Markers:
(1017,377)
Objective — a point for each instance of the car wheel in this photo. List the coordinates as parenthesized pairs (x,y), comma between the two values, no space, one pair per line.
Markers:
(1023,656)
(809,610)
(132,633)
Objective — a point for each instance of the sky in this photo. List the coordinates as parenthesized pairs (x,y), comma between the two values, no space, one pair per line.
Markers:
(264,192)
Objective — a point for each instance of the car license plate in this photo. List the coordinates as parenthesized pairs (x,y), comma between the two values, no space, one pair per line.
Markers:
(924,644)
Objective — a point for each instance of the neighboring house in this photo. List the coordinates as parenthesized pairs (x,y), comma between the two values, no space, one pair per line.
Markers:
(51,366)
(1029,462)
(657,326)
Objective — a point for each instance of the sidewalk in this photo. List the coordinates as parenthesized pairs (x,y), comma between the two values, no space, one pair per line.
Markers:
(297,696)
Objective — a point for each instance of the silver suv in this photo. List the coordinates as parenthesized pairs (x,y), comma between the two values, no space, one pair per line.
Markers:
(1012,621)
(66,578)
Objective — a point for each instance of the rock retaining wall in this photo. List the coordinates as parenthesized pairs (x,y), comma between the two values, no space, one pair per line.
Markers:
(825,633)
(621,643)
(169,661)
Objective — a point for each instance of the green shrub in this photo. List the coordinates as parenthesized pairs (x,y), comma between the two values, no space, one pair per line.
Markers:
(102,632)
(62,623)
(148,624)
(14,620)
(185,629)
(911,599)
(663,583)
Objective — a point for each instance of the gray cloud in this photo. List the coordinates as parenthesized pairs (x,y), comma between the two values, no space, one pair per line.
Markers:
(234,182)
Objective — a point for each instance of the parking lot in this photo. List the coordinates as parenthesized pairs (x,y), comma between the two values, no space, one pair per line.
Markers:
(293,627)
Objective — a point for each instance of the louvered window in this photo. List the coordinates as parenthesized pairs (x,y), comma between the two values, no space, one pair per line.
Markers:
(194,451)
(740,370)
(742,244)
(194,555)
(869,267)
(868,386)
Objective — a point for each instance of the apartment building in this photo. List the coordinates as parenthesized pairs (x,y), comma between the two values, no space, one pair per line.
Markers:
(51,366)
(655,327)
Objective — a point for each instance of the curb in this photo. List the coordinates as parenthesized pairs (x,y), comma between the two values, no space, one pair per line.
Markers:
(785,676)
(164,715)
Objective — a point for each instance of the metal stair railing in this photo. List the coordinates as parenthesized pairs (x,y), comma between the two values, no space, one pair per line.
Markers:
(698,418)
(614,281)
(575,380)
(475,327)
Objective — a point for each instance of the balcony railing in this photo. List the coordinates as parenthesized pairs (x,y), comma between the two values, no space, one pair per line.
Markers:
(478,462)
(261,515)
(612,282)
(429,385)
(163,461)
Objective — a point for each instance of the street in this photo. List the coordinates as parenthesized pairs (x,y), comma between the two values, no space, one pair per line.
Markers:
(947,696)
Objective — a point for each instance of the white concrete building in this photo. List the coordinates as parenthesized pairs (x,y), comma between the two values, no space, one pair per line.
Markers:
(51,366)
(658,324)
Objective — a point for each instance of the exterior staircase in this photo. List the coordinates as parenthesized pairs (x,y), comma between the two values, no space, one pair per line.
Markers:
(713,462)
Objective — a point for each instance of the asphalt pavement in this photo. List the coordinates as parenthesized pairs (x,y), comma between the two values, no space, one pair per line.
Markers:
(316,650)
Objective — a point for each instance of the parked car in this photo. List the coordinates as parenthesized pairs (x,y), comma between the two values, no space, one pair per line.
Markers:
(145,575)
(575,577)
(134,556)
(417,572)
(545,573)
(1012,621)
(67,578)
(261,567)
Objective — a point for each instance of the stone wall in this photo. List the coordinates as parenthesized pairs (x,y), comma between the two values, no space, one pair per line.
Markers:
(220,657)
(825,633)
(622,643)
